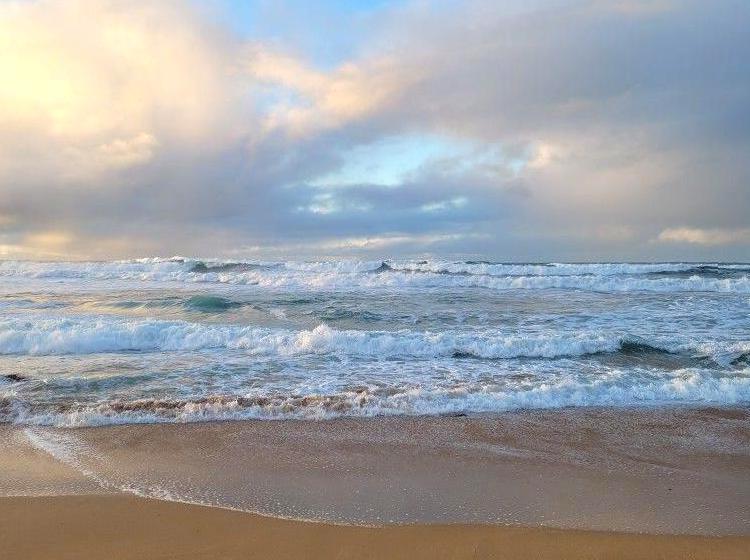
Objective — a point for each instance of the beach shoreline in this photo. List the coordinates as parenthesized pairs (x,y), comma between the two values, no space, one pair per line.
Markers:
(570,483)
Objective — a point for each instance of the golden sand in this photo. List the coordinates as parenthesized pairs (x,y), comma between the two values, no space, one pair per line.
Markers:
(125,527)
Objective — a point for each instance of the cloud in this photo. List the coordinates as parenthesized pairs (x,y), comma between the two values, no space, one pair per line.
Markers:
(641,7)
(370,246)
(634,118)
(93,85)
(324,100)
(554,129)
(124,152)
(709,237)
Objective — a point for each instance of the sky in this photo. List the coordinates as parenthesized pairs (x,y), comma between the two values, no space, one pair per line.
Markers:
(534,130)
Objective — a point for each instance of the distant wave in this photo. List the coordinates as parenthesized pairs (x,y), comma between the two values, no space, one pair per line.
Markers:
(705,271)
(202,268)
(205,303)
(209,304)
(484,268)
(58,336)
(689,386)
(364,275)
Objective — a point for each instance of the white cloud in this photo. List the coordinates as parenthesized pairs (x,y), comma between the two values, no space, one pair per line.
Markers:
(98,82)
(698,236)
(331,99)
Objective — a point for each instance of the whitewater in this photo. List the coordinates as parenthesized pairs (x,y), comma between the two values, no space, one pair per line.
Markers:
(183,339)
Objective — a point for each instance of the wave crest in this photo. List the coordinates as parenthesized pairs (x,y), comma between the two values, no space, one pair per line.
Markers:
(79,336)
(68,336)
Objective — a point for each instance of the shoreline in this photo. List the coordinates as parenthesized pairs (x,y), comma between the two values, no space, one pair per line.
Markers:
(126,527)
(658,471)
(643,409)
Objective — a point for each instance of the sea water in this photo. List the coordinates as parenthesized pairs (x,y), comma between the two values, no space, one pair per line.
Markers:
(180,340)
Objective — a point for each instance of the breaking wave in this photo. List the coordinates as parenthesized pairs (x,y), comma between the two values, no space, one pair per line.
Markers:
(60,336)
(75,336)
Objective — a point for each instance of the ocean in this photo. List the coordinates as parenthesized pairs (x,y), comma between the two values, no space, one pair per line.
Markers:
(182,340)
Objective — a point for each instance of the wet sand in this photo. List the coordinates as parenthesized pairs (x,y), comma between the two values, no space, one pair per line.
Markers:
(578,483)
(122,527)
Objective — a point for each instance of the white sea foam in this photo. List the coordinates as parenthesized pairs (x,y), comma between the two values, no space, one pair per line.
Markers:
(72,451)
(724,353)
(689,386)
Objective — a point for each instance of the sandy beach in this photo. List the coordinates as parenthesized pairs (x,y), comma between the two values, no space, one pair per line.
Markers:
(580,483)
(123,527)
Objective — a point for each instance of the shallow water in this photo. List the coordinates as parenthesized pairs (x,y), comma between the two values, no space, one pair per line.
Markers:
(676,470)
(159,340)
